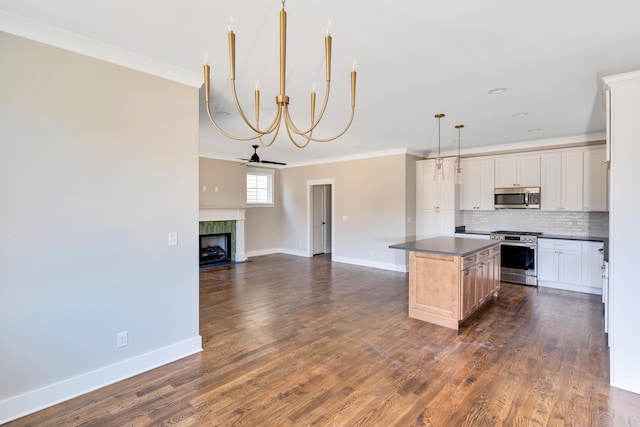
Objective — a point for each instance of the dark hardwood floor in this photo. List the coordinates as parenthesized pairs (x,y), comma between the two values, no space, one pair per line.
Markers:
(297,341)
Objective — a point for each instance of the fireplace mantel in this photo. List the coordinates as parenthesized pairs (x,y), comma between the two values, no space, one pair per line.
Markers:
(222,214)
(229,214)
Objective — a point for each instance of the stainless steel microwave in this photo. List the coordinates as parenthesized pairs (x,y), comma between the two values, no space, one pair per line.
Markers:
(517,198)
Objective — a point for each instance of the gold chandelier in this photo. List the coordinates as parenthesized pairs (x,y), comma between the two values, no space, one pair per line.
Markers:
(282,100)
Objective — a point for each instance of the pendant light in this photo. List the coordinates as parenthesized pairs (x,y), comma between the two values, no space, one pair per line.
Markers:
(458,177)
(438,174)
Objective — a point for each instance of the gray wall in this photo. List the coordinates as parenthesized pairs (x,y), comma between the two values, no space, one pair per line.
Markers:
(376,195)
(230,180)
(370,210)
(98,164)
(263,225)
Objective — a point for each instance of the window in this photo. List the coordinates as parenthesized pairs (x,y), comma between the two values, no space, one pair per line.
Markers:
(259,186)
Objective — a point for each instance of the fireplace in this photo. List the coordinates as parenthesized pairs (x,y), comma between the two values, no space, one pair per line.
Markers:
(215,248)
(223,220)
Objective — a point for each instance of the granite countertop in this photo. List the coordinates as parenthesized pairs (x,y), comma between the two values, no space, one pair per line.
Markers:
(486,233)
(456,246)
(546,236)
(573,237)
(602,239)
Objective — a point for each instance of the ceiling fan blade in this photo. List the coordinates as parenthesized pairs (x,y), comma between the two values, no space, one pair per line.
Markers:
(272,163)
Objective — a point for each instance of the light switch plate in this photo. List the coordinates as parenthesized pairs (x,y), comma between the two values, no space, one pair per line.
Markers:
(173,239)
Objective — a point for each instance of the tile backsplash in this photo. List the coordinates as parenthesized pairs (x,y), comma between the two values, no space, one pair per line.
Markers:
(561,223)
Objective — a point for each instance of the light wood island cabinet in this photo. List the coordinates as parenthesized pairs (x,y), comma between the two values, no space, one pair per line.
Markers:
(450,278)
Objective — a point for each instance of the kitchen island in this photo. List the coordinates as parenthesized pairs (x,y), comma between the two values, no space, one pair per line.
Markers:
(450,278)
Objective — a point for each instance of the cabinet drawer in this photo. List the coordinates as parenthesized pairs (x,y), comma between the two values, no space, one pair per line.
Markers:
(469,261)
(483,255)
(494,251)
(569,245)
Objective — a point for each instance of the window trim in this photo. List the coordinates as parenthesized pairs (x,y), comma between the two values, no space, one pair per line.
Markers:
(270,174)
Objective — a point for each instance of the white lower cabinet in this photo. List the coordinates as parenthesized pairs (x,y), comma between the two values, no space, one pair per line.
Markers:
(570,264)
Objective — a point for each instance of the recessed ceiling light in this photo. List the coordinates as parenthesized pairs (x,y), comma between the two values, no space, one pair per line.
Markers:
(497,91)
(516,115)
(534,130)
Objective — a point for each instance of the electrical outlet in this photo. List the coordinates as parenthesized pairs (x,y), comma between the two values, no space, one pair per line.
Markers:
(204,188)
(122,339)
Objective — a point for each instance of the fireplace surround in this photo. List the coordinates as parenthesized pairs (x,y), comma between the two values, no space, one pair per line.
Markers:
(222,221)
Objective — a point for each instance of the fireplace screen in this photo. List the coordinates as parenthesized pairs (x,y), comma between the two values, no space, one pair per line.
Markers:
(215,248)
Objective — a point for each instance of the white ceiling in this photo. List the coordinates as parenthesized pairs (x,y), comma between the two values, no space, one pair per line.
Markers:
(415,58)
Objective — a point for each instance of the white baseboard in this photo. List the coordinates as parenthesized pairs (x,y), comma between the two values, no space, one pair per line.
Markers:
(401,268)
(294,252)
(271,251)
(567,287)
(263,252)
(32,401)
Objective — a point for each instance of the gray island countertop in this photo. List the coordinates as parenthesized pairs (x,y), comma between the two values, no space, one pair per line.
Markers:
(457,246)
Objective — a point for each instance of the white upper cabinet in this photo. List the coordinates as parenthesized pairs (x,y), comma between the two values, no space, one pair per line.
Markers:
(551,182)
(574,180)
(517,171)
(435,195)
(477,187)
(596,180)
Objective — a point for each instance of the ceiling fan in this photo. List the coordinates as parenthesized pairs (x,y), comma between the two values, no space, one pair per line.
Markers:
(256,159)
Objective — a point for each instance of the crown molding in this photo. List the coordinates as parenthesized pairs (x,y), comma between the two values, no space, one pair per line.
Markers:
(42,33)
(531,145)
(360,156)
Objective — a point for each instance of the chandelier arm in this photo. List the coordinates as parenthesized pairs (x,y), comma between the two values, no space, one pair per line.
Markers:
(244,117)
(353,112)
(223,132)
(289,126)
(207,74)
(353,109)
(317,121)
(273,139)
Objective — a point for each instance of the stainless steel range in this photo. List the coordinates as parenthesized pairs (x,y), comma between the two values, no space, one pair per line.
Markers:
(519,258)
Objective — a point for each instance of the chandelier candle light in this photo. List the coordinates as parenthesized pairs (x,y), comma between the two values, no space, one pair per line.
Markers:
(282,100)
(458,177)
(438,174)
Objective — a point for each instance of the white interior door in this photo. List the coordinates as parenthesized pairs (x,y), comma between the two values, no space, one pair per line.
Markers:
(321,222)
(319,219)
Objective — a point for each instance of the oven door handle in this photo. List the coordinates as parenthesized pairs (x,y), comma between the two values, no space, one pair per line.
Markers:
(522,245)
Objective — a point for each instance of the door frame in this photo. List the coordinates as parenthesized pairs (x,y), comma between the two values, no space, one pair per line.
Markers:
(331,182)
